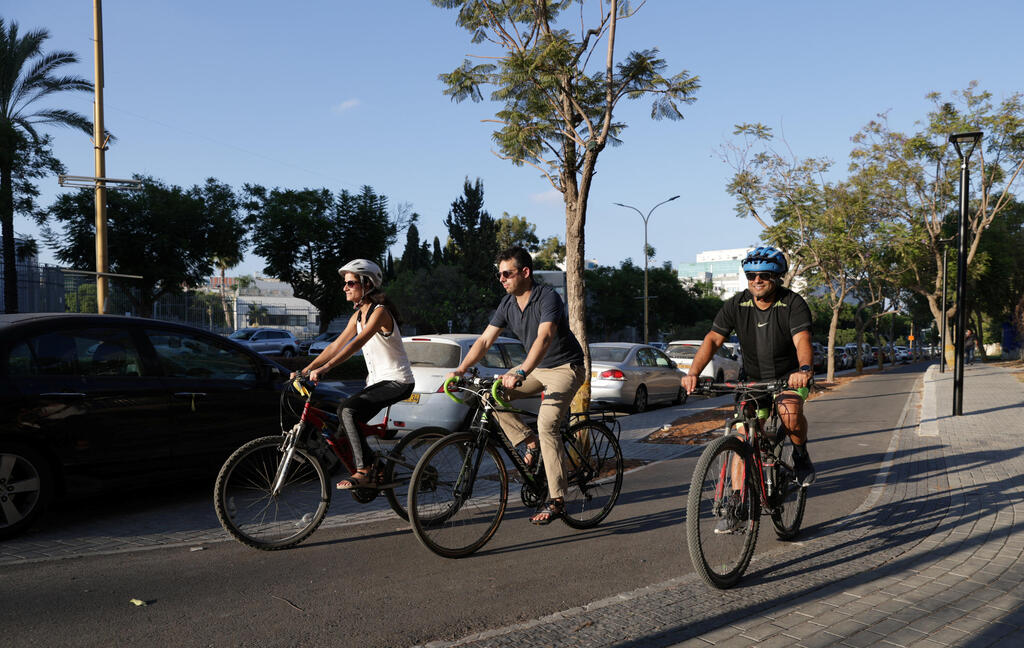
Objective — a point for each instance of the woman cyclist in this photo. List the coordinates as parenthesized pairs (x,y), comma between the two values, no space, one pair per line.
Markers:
(374,329)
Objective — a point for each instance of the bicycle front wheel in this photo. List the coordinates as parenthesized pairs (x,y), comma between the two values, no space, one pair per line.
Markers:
(594,467)
(247,506)
(400,463)
(457,495)
(790,510)
(723,513)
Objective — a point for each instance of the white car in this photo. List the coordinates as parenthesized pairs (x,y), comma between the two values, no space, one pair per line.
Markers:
(322,342)
(433,357)
(724,365)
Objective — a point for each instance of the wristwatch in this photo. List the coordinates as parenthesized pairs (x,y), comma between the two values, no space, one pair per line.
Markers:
(520,373)
(806,368)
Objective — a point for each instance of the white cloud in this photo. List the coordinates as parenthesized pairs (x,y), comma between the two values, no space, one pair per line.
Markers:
(549,197)
(345,105)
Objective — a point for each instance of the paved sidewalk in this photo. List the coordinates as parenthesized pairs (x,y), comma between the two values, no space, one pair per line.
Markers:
(932,558)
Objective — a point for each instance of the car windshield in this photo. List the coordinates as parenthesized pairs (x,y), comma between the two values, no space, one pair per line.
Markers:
(608,354)
(433,354)
(242,334)
(681,350)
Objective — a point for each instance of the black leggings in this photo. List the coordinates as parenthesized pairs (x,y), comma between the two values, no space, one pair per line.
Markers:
(364,406)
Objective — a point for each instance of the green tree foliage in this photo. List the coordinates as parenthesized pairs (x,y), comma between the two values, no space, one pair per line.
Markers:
(472,235)
(27,76)
(416,254)
(163,233)
(914,179)
(227,236)
(550,254)
(556,108)
(516,231)
(306,235)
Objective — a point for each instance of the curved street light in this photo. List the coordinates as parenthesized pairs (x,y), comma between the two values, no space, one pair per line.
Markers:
(646,219)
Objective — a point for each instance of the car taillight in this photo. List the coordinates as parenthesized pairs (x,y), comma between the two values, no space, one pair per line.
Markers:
(612,374)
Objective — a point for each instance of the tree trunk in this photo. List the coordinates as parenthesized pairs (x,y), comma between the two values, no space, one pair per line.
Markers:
(7,216)
(833,326)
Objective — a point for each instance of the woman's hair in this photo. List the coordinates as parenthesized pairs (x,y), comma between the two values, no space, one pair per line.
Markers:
(376,296)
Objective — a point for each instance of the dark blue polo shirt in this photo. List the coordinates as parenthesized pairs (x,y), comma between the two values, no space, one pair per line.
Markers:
(544,306)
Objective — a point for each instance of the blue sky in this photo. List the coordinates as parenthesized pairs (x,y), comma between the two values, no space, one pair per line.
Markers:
(339,93)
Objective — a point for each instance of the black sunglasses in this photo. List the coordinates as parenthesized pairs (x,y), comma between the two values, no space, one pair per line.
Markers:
(767,276)
(505,274)
(351,284)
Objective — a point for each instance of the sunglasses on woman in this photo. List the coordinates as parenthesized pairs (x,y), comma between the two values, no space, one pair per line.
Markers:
(351,284)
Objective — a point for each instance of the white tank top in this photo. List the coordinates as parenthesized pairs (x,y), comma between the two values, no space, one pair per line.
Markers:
(385,355)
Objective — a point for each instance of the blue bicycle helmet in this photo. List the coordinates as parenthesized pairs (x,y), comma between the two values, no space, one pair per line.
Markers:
(765,259)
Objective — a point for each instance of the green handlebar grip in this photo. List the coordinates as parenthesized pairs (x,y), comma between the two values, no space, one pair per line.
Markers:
(451,395)
(494,393)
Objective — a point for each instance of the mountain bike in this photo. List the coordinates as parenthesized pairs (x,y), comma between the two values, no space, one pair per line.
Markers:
(459,489)
(738,475)
(273,492)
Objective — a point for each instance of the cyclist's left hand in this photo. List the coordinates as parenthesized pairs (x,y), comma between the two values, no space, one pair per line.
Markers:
(799,379)
(510,381)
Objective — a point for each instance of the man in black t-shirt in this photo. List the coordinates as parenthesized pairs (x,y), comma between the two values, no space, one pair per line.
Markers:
(553,365)
(773,325)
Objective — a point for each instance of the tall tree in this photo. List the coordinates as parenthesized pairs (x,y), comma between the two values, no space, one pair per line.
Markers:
(163,233)
(557,108)
(27,75)
(550,254)
(472,235)
(516,231)
(227,236)
(915,179)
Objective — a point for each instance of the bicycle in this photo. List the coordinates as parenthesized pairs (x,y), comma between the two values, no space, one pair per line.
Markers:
(273,492)
(459,489)
(762,464)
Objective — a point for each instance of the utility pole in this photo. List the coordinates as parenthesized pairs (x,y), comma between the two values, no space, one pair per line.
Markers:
(99,142)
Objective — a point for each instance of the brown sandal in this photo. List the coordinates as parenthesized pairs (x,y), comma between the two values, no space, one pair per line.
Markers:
(554,510)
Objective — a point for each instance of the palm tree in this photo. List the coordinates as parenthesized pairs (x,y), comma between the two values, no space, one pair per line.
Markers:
(224,262)
(27,76)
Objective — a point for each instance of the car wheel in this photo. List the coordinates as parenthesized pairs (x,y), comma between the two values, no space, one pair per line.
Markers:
(26,486)
(288,353)
(640,400)
(680,397)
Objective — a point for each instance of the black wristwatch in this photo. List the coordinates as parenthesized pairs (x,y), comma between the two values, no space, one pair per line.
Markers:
(807,368)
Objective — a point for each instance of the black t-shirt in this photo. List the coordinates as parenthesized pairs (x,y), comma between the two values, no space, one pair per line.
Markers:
(544,305)
(766,336)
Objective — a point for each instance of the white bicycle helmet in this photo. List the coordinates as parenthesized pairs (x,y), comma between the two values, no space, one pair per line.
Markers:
(364,268)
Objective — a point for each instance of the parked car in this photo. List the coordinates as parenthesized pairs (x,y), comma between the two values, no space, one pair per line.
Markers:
(433,357)
(304,344)
(901,354)
(723,366)
(634,375)
(86,399)
(737,353)
(267,341)
(843,359)
(820,356)
(322,342)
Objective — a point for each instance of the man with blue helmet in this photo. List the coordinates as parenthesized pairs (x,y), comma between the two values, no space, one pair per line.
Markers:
(773,325)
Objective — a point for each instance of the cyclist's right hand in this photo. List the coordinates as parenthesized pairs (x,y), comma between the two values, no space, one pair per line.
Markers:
(689,383)
(455,374)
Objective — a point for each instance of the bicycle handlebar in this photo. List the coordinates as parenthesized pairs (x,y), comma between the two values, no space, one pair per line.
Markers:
(476,381)
(708,386)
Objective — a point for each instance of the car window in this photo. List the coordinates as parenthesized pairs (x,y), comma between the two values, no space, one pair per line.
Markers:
(645,358)
(80,352)
(493,358)
(516,353)
(608,354)
(424,353)
(242,334)
(661,360)
(682,350)
(184,355)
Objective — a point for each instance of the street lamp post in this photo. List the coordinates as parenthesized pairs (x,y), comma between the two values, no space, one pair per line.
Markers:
(944,244)
(646,219)
(969,140)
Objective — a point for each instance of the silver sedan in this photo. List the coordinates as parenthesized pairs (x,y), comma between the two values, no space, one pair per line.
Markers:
(634,375)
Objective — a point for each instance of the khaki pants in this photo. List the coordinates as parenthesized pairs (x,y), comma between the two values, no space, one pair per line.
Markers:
(559,385)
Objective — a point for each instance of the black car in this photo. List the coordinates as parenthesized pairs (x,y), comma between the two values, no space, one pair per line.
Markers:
(88,398)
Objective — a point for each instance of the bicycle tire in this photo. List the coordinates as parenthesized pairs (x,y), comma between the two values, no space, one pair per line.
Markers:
(790,512)
(721,558)
(443,520)
(594,466)
(410,449)
(247,508)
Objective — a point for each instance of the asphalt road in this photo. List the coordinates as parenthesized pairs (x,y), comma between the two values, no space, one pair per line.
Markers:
(374,585)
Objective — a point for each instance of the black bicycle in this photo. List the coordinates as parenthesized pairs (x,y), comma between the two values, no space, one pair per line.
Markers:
(739,475)
(459,489)
(273,492)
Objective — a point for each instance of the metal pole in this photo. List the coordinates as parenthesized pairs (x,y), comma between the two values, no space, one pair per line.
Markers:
(100,144)
(961,296)
(646,219)
(942,318)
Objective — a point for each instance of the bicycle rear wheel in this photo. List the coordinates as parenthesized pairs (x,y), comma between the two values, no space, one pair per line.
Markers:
(790,510)
(453,511)
(721,531)
(400,463)
(249,510)
(593,462)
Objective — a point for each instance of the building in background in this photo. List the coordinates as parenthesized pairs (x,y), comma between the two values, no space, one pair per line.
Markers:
(720,268)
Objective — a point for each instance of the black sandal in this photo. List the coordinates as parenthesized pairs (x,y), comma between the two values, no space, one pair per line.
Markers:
(554,510)
(365,480)
(530,456)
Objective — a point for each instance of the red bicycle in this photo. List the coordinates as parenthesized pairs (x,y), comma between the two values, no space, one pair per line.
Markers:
(273,492)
